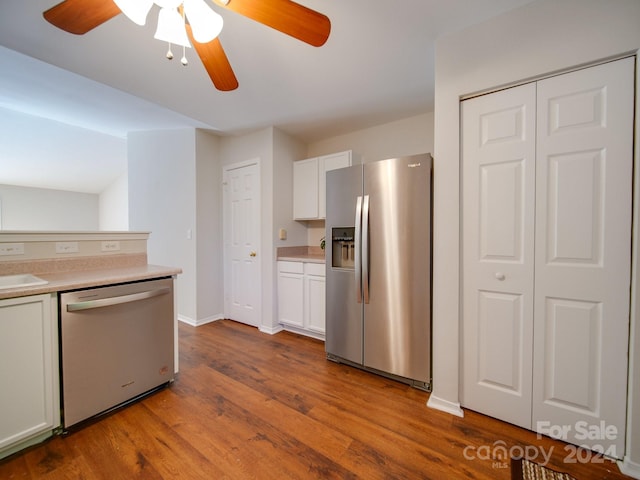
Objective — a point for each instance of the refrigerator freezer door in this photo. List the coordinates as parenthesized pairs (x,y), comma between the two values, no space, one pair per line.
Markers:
(397,332)
(343,312)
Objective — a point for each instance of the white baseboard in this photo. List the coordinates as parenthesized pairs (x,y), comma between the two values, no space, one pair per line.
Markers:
(270,330)
(202,321)
(445,406)
(629,468)
(306,333)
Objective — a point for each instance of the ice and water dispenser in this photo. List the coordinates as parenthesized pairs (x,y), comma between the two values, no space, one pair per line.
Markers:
(343,247)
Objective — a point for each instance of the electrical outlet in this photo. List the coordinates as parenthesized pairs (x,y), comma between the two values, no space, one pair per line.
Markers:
(110,246)
(11,248)
(66,247)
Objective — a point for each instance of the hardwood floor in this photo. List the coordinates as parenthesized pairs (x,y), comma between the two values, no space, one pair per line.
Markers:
(247,405)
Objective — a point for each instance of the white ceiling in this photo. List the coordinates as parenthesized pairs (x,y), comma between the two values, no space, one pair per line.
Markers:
(376,67)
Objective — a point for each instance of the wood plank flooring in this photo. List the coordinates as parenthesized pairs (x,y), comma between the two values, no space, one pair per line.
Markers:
(247,405)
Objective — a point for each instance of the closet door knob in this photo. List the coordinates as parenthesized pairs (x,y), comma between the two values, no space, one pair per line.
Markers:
(500,276)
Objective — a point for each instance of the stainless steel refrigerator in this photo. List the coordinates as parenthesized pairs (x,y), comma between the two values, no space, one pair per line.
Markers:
(378,257)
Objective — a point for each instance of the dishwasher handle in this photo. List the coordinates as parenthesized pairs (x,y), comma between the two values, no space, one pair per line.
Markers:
(107,302)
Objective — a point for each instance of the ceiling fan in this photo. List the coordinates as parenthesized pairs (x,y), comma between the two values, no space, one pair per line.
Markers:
(81,16)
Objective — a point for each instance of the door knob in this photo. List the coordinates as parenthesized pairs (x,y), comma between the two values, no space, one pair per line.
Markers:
(252,254)
(500,276)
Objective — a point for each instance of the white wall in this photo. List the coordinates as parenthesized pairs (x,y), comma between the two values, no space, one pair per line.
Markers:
(25,208)
(175,192)
(30,145)
(114,205)
(286,150)
(209,239)
(409,136)
(540,38)
(162,200)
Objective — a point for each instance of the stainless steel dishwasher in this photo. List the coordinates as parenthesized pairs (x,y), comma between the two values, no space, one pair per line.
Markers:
(116,345)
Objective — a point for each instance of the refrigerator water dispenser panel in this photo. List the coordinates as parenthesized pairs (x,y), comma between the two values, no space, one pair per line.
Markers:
(343,247)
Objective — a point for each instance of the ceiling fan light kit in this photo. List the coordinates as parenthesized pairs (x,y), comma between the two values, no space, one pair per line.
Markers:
(203,27)
(205,23)
(171,28)
(135,10)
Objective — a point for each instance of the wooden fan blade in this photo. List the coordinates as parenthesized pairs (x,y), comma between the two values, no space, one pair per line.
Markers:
(81,16)
(216,63)
(287,17)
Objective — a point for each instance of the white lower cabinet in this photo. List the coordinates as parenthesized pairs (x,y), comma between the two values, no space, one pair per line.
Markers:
(291,293)
(29,372)
(301,297)
(314,290)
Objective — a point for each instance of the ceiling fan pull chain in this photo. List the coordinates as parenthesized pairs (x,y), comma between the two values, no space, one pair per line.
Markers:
(183,60)
(169,52)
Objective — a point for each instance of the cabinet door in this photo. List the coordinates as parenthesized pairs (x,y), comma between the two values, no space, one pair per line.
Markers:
(314,298)
(326,163)
(291,293)
(28,369)
(305,189)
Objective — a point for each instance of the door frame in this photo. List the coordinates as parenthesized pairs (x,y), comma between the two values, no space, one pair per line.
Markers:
(226,230)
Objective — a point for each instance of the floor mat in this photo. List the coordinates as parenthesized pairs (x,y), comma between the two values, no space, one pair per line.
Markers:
(523,469)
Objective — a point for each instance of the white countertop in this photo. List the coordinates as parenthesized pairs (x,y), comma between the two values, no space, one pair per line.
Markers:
(305,258)
(62,281)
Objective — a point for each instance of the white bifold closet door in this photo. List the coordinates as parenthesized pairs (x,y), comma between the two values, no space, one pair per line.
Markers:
(547,196)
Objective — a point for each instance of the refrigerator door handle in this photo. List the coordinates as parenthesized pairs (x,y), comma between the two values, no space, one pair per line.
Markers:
(365,249)
(357,266)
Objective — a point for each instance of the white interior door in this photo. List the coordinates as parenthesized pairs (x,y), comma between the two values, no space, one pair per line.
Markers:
(498,151)
(242,242)
(583,253)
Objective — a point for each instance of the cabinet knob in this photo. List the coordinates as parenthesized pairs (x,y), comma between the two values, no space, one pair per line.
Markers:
(500,276)
(252,254)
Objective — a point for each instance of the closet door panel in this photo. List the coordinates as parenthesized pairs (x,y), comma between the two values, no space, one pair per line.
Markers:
(498,199)
(584,172)
(573,330)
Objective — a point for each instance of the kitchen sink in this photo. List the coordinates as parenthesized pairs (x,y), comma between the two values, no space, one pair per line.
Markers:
(20,280)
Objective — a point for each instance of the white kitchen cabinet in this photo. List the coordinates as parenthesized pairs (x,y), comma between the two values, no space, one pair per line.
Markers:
(301,297)
(309,184)
(291,293)
(305,189)
(28,371)
(314,291)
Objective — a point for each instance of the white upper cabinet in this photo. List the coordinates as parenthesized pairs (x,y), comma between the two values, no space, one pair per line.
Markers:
(309,184)
(305,189)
